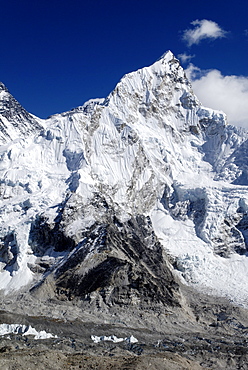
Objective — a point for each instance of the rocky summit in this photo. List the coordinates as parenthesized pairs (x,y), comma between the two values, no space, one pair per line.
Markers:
(124,231)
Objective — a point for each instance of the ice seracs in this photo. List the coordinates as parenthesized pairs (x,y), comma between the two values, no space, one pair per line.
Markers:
(24,330)
(149,149)
(113,338)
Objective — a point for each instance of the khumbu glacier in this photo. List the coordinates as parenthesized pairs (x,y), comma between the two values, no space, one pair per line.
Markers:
(149,156)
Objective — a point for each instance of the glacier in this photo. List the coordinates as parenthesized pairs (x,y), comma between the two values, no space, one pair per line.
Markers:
(149,149)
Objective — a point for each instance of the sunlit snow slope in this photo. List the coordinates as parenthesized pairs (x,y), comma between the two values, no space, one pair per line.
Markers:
(149,148)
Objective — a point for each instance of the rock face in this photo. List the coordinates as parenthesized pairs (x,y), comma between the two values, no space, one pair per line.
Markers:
(119,263)
(92,200)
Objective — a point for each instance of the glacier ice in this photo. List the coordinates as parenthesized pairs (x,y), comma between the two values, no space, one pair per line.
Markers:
(113,338)
(24,330)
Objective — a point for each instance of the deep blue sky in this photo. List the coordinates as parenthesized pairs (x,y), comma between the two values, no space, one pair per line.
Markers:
(55,55)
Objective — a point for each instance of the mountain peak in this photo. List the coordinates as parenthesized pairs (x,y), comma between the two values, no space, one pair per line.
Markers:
(167,56)
(150,149)
(3,87)
(16,122)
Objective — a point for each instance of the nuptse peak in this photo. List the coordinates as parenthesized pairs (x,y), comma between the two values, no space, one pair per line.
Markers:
(148,163)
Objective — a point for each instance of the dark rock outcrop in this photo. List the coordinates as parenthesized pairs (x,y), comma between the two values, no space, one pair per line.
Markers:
(118,264)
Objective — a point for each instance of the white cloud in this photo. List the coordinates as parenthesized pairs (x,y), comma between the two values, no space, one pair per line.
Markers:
(185,58)
(203,29)
(226,93)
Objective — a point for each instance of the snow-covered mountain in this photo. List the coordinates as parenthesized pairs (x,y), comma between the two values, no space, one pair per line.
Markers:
(91,199)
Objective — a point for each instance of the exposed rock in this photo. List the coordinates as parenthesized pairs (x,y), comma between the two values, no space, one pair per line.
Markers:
(118,263)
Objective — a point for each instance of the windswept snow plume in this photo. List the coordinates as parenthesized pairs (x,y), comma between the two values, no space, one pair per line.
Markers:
(203,29)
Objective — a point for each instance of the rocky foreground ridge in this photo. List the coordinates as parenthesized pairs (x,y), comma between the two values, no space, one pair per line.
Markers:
(126,216)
